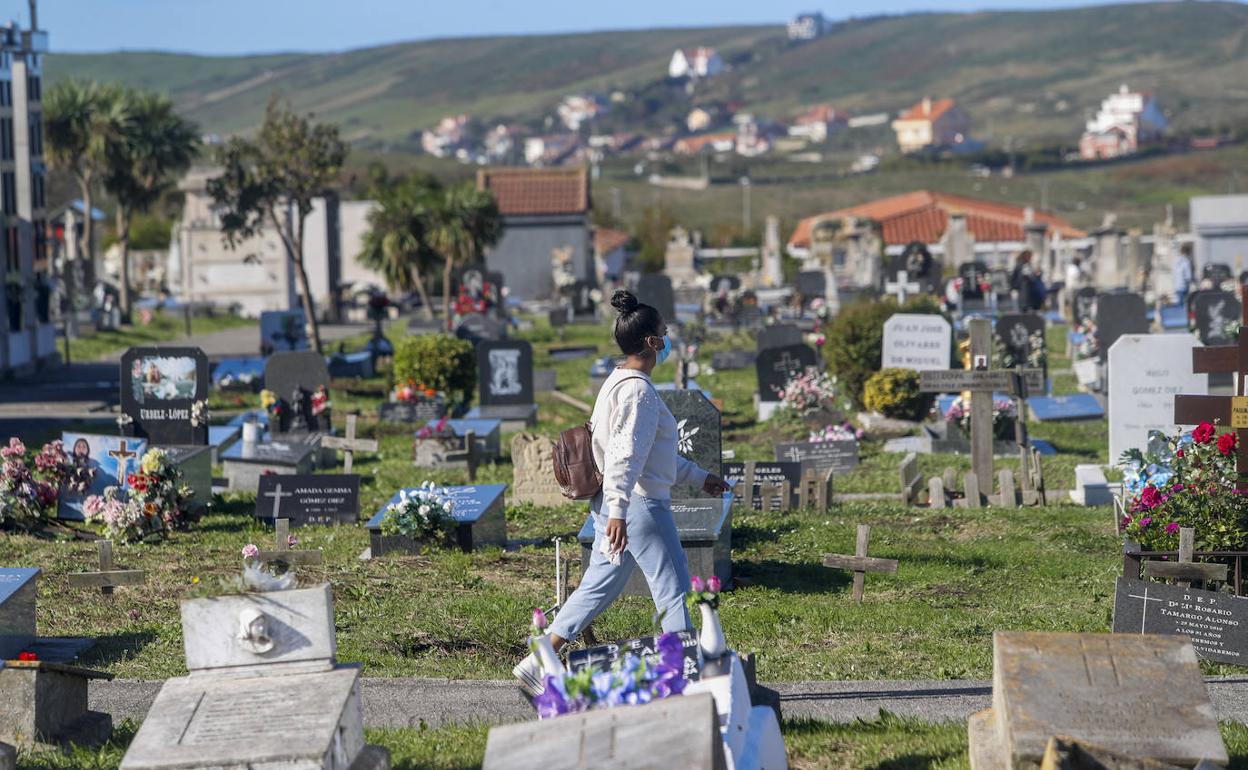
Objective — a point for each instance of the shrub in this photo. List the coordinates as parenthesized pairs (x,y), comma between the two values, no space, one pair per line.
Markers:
(856,337)
(437,361)
(895,393)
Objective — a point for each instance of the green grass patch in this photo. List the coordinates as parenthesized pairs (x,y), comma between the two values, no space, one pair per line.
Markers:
(164,327)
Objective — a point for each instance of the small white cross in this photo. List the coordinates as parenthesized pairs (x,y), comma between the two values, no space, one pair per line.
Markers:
(901,286)
(1144,614)
(277,494)
(794,454)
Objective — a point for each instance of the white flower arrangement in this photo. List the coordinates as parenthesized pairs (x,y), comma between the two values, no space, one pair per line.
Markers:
(199,413)
(424,513)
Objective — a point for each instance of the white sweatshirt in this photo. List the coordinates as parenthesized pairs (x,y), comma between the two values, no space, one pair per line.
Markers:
(635,443)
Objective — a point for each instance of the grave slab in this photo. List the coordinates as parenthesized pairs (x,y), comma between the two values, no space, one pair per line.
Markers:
(1215,621)
(477,507)
(17,610)
(1078,406)
(221,437)
(244,463)
(513,417)
(836,456)
(486,430)
(300,627)
(705,529)
(322,499)
(1091,488)
(45,704)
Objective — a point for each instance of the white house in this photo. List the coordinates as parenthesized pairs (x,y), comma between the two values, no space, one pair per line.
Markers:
(1126,121)
(695,63)
(818,123)
(447,137)
(807,26)
(581,108)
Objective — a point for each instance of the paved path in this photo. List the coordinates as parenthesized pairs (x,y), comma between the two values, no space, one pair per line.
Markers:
(412,702)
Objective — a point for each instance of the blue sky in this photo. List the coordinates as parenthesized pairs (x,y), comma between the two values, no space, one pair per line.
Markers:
(253,26)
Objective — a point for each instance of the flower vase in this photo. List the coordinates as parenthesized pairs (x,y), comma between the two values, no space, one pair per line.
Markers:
(546,655)
(711,642)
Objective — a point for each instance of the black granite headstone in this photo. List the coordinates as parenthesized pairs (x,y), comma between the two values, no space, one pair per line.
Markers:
(778,336)
(1217,317)
(974,276)
(1217,622)
(164,392)
(505,372)
(837,456)
(1016,331)
(323,499)
(698,431)
(811,284)
(293,378)
(423,410)
(478,509)
(919,265)
(776,366)
(655,289)
(604,656)
(765,474)
(1116,315)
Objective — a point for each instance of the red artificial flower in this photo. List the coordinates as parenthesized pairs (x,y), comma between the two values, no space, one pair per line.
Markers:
(1179,453)
(1203,433)
(27,655)
(1226,444)
(1150,498)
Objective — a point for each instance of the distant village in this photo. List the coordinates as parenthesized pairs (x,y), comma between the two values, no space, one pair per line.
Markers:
(1126,122)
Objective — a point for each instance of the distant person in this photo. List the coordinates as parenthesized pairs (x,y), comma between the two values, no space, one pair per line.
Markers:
(1076,279)
(1183,273)
(634,443)
(1026,283)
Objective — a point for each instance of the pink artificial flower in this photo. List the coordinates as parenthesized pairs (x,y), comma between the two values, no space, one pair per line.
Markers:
(1150,497)
(713,584)
(291,541)
(696,584)
(539,618)
(1172,527)
(250,551)
(1144,522)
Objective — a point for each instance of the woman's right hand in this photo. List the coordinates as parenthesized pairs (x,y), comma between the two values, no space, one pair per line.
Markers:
(617,535)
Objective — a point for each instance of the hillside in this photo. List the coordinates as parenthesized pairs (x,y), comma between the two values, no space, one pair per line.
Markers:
(1033,75)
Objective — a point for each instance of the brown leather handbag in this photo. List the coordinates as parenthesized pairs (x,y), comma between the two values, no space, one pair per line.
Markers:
(576,472)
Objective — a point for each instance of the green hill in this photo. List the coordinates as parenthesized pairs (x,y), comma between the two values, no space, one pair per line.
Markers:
(1034,75)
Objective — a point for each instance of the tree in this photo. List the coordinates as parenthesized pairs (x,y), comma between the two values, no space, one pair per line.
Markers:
(81,120)
(460,223)
(142,162)
(272,180)
(395,245)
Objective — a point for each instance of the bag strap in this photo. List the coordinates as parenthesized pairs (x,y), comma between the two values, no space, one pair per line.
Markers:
(616,385)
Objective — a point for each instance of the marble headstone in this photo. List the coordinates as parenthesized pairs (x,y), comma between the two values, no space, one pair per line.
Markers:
(916,341)
(698,431)
(1146,371)
(164,393)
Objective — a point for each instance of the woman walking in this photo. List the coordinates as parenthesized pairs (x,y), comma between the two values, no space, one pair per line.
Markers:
(634,443)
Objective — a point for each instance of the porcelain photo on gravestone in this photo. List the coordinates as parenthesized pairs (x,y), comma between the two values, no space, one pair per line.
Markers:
(112,458)
(164,395)
(505,373)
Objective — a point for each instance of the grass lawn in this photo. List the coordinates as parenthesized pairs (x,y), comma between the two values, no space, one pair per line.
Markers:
(888,742)
(164,327)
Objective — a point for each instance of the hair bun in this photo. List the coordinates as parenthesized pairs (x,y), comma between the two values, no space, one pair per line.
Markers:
(624,302)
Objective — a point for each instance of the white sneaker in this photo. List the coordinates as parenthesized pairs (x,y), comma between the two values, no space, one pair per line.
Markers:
(529,673)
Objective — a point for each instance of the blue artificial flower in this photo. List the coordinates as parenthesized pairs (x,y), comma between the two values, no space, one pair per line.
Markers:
(671,651)
(551,703)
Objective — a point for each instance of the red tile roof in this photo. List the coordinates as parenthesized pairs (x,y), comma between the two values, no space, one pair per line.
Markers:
(607,240)
(936,108)
(924,215)
(537,191)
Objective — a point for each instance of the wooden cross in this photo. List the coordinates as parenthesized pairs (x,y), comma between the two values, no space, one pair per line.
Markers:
(277,494)
(860,563)
(814,490)
(122,455)
(981,381)
(107,578)
(349,444)
(901,286)
(283,551)
(1226,411)
(1184,571)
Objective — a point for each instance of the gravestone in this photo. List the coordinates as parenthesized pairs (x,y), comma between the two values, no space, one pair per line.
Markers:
(698,433)
(1017,331)
(545,380)
(811,284)
(916,261)
(822,456)
(765,475)
(1215,621)
(487,435)
(283,331)
(915,341)
(478,508)
(705,529)
(533,471)
(775,367)
(655,290)
(778,336)
(974,277)
(732,360)
(320,499)
(1217,315)
(683,730)
(164,393)
(113,458)
(17,610)
(422,410)
(860,563)
(1146,372)
(195,462)
(264,690)
(1091,487)
(245,463)
(1084,307)
(293,378)
(1116,315)
(902,287)
(505,381)
(478,328)
(725,284)
(1091,688)
(603,656)
(1071,408)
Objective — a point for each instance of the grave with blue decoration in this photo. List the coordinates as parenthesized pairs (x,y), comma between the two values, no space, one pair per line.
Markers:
(478,512)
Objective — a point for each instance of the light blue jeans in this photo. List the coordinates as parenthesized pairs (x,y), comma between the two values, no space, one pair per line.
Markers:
(653,545)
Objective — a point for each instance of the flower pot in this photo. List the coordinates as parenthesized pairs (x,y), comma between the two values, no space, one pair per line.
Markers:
(711,642)
(546,655)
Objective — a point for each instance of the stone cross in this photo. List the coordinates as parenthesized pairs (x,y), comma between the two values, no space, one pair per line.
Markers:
(282,548)
(982,381)
(122,455)
(107,578)
(860,564)
(902,287)
(349,444)
(1226,411)
(277,494)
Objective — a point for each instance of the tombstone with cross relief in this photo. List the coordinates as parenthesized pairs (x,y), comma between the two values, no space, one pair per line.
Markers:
(902,288)
(775,368)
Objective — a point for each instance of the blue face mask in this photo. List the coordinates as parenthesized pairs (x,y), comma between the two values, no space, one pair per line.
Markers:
(665,351)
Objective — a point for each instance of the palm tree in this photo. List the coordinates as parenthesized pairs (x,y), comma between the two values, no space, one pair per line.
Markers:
(156,145)
(461,223)
(81,120)
(395,244)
